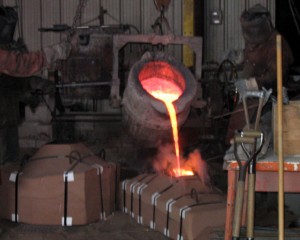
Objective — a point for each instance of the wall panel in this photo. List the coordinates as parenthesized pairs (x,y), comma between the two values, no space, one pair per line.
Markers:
(45,13)
(131,13)
(220,38)
(114,11)
(32,20)
(51,14)
(233,37)
(214,34)
(141,14)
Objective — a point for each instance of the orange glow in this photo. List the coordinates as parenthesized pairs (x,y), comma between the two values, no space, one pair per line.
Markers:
(167,92)
(182,172)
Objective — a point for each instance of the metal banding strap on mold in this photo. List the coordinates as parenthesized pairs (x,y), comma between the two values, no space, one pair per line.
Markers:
(168,209)
(99,172)
(14,177)
(117,178)
(182,214)
(69,177)
(132,188)
(61,156)
(139,192)
(102,214)
(155,196)
(124,194)
(124,184)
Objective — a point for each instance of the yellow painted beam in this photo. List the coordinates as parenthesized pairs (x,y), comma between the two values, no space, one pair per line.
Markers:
(188,30)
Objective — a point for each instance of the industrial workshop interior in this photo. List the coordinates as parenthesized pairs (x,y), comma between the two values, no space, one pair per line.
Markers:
(149,119)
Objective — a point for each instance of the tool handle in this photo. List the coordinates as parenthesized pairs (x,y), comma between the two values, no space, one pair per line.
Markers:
(253,134)
(253,94)
(249,140)
(250,206)
(238,207)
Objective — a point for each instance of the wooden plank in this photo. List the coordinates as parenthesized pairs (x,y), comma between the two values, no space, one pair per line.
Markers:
(291,131)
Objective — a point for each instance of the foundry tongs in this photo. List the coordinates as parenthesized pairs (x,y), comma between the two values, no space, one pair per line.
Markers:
(244,139)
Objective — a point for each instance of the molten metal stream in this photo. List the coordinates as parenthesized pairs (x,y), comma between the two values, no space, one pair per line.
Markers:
(167,92)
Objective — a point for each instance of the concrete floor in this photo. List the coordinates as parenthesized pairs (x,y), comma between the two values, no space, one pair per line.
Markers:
(122,227)
(119,226)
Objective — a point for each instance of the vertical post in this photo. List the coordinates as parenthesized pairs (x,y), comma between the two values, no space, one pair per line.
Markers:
(280,142)
(188,30)
(231,192)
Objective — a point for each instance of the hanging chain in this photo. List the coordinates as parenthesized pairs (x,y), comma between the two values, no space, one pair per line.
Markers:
(76,19)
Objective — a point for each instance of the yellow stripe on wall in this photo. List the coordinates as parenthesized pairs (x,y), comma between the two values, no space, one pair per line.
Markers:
(188,30)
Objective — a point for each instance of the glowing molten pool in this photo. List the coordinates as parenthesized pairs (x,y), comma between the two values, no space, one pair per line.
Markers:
(160,85)
(182,172)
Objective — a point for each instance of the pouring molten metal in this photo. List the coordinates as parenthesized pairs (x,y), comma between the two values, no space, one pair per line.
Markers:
(160,86)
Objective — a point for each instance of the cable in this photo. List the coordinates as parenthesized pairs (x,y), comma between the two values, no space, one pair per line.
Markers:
(113,18)
(295,10)
(19,7)
(294,17)
(155,3)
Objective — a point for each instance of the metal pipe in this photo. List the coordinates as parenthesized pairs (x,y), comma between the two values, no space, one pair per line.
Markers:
(81,117)
(82,84)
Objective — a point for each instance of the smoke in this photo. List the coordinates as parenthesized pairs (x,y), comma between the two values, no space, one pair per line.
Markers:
(165,161)
(198,165)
